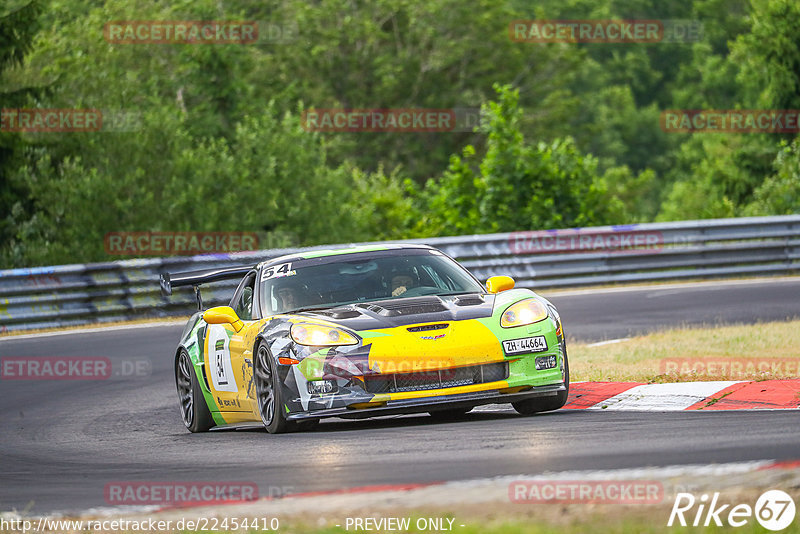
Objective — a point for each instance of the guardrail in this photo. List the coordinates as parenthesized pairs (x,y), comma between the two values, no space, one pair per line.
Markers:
(67,295)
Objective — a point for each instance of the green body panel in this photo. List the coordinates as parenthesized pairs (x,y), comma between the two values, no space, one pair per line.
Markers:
(523,370)
(353,250)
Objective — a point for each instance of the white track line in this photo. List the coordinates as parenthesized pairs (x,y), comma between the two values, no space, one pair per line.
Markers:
(609,342)
(662,397)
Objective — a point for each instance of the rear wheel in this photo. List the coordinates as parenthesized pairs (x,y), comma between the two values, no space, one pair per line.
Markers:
(547,404)
(192,403)
(268,392)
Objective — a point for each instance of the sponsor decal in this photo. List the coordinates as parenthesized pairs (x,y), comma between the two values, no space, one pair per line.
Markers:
(221,369)
(546,362)
(228,403)
(439,336)
(277,271)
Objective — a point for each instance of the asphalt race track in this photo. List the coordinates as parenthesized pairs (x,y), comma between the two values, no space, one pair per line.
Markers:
(615,313)
(61,442)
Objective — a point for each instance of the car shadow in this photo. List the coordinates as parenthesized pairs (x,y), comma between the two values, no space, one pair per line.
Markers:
(339,425)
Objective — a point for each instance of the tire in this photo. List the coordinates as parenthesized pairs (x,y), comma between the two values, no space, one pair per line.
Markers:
(547,404)
(451,414)
(194,410)
(268,392)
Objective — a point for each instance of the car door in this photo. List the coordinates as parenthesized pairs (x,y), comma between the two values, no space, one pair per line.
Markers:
(229,354)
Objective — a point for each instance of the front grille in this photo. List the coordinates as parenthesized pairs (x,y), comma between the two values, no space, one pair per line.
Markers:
(443,378)
(428,327)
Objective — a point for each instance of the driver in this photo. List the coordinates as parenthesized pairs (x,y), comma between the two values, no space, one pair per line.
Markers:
(402,281)
(287,298)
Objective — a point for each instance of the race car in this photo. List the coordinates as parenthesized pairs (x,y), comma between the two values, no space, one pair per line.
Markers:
(364,332)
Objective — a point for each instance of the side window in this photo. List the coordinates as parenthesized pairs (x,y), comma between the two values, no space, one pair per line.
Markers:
(244,303)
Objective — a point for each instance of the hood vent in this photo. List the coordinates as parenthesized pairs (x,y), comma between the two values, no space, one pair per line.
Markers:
(407,306)
(469,300)
(339,314)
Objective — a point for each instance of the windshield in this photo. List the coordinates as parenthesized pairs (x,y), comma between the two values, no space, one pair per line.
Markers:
(361,277)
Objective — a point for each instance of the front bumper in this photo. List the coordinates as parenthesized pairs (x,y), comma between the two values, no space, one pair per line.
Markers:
(426,404)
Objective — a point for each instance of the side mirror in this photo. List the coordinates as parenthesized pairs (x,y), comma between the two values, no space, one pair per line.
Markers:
(223,315)
(496,284)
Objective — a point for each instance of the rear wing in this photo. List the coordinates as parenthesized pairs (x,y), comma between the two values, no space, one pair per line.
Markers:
(196,278)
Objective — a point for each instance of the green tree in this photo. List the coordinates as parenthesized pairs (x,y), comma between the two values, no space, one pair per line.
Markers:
(271,177)
(18,26)
(780,193)
(769,54)
(519,186)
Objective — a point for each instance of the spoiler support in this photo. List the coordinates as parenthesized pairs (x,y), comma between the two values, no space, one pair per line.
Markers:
(198,297)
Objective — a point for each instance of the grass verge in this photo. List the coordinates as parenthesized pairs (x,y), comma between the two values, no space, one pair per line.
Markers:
(763,351)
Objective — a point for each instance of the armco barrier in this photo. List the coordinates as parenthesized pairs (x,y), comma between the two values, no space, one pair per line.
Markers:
(100,292)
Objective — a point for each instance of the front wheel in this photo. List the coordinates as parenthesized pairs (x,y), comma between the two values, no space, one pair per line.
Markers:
(268,392)
(547,404)
(194,409)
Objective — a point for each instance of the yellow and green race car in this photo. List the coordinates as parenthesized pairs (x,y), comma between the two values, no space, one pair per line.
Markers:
(364,332)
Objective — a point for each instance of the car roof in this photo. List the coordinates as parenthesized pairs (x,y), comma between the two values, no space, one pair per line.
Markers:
(318,253)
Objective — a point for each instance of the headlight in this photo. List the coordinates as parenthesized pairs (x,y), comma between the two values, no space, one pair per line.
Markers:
(319,336)
(524,312)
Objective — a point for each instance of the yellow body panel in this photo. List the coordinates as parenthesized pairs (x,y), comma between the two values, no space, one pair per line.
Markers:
(237,350)
(461,344)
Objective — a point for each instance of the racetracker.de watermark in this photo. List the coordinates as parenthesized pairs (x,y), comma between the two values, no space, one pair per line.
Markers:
(413,369)
(73,368)
(605,31)
(177,493)
(730,120)
(734,368)
(199,32)
(56,120)
(178,243)
(391,120)
(619,241)
(586,491)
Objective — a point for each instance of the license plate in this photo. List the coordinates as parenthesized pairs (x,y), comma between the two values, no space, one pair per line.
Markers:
(525,345)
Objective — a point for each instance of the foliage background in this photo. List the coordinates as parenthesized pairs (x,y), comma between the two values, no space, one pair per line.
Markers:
(570,133)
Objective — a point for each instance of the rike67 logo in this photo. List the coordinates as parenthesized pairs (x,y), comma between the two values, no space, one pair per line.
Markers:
(774,510)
